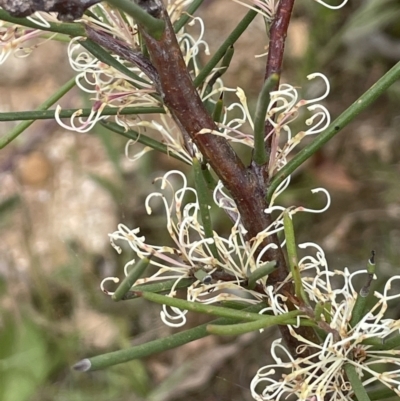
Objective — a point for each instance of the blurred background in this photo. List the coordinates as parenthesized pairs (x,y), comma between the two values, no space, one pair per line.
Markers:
(62,193)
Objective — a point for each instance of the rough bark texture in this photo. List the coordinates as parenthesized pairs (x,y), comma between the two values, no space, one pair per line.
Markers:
(68,10)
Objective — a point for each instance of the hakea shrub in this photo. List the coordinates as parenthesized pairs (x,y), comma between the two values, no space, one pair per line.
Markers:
(334,346)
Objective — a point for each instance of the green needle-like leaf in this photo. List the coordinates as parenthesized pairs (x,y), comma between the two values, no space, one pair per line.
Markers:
(220,53)
(208,177)
(204,204)
(356,383)
(153,347)
(67,113)
(263,323)
(6,139)
(292,256)
(263,271)
(260,153)
(135,273)
(199,307)
(164,286)
(218,108)
(364,295)
(141,138)
(378,344)
(70,29)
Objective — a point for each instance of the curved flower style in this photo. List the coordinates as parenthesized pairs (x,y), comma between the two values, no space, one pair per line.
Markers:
(110,86)
(321,375)
(107,85)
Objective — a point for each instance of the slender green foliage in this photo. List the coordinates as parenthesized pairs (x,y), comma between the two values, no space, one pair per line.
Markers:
(20,128)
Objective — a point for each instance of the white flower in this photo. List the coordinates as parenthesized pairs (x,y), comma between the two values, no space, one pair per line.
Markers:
(267,8)
(20,40)
(220,266)
(227,271)
(321,374)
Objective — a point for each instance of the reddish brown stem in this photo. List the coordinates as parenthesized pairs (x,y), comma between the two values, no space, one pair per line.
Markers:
(277,39)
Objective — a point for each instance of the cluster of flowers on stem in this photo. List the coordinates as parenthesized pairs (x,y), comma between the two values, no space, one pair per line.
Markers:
(321,375)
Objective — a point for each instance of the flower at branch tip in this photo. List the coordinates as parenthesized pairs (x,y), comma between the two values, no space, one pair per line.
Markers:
(320,375)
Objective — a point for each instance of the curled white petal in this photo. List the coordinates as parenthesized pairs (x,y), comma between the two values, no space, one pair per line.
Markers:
(281,187)
(326,81)
(325,119)
(113,279)
(169,319)
(326,207)
(91,121)
(344,2)
(265,249)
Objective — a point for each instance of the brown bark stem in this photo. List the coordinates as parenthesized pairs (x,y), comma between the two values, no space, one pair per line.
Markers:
(277,39)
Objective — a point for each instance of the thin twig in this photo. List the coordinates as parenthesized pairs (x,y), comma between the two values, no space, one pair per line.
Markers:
(277,39)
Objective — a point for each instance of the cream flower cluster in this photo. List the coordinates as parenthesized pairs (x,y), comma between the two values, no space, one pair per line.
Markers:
(222,275)
(110,87)
(218,276)
(285,106)
(321,376)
